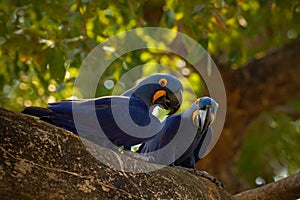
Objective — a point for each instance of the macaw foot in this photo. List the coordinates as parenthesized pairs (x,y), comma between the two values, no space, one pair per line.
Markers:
(203,174)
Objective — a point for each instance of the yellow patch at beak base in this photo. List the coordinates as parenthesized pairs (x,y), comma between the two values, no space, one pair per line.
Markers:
(196,113)
(158,94)
(212,118)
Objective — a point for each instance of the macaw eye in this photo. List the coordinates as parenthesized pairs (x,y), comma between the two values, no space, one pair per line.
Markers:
(163,82)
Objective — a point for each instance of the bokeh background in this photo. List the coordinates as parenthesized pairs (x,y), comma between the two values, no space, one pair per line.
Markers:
(254,43)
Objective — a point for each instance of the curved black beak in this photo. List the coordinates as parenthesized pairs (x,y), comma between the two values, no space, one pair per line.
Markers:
(203,118)
(169,101)
(174,102)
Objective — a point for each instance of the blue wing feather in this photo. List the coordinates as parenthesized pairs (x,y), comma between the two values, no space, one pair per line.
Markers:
(61,114)
(191,155)
(164,137)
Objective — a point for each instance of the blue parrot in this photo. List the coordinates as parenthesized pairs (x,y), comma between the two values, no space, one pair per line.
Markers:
(184,137)
(126,120)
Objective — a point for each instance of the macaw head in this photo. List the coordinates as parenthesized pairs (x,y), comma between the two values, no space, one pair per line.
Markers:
(204,113)
(159,89)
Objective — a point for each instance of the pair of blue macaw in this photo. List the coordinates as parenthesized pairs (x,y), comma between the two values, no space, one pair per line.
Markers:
(127,120)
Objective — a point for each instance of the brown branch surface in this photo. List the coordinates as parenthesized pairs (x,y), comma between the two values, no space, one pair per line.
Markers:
(261,85)
(287,188)
(41,161)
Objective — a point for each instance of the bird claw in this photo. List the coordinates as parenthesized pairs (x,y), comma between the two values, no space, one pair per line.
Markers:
(204,174)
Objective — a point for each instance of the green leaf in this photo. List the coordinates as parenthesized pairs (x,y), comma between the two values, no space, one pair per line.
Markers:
(55,62)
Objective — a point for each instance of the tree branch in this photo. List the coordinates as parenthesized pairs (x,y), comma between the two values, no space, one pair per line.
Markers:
(287,188)
(41,161)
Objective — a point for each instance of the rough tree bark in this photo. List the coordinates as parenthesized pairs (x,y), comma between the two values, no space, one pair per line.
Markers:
(287,188)
(41,161)
(261,85)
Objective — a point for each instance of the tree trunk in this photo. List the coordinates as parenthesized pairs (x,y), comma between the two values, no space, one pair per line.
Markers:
(261,85)
(41,161)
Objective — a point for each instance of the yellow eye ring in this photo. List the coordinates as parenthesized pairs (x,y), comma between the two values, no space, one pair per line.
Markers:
(163,82)
(197,102)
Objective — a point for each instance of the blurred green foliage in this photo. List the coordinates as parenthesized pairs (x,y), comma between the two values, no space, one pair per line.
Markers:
(271,146)
(271,149)
(43,43)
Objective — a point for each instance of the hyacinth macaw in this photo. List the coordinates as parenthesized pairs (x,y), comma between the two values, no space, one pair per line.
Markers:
(134,105)
(184,137)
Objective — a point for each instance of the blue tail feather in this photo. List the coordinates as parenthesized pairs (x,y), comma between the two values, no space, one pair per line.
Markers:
(37,111)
